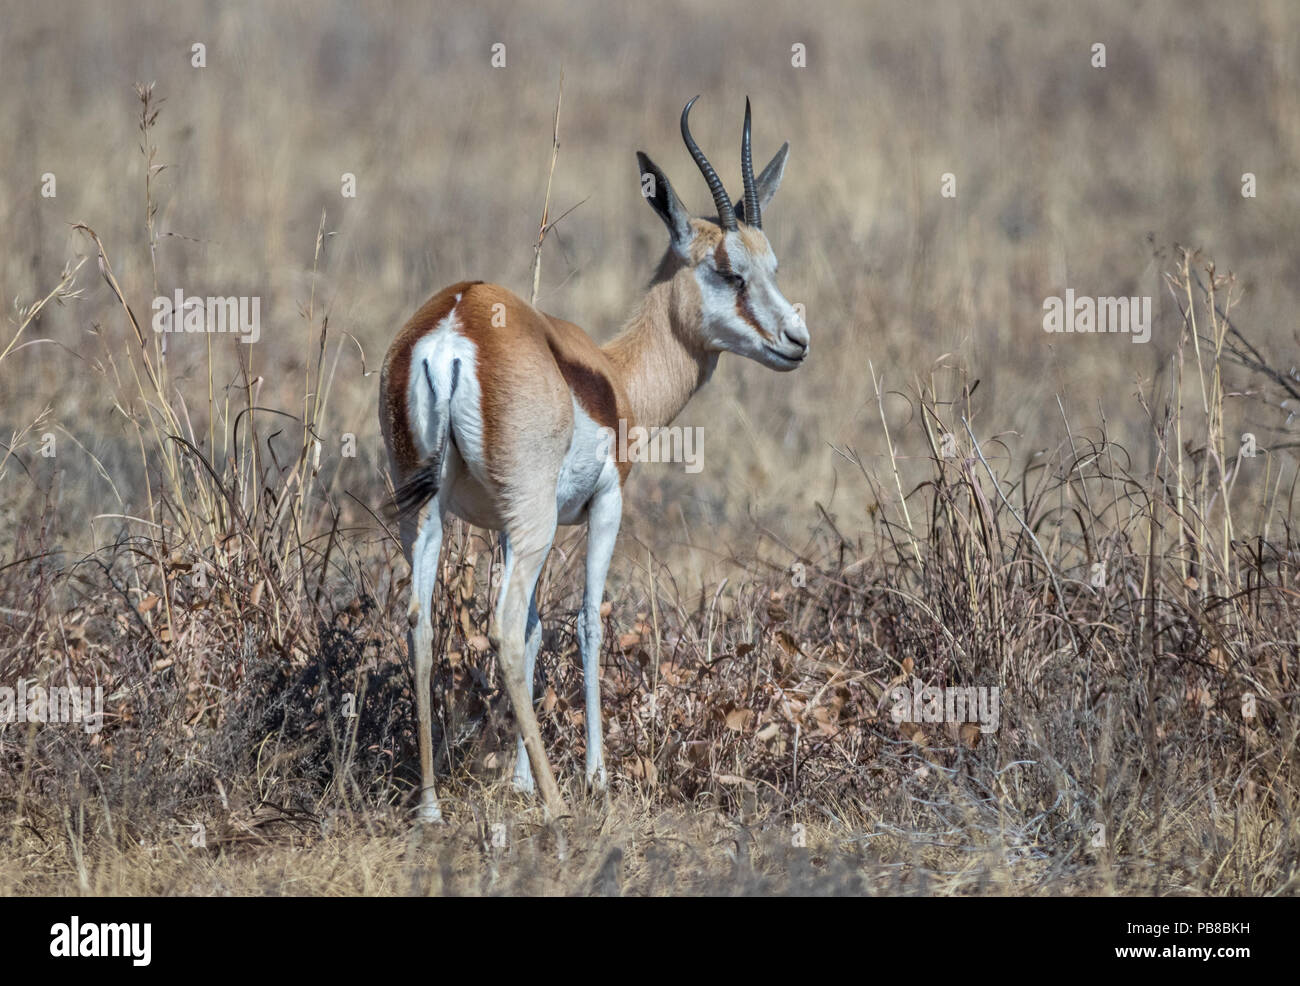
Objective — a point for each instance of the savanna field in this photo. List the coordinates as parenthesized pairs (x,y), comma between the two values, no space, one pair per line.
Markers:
(945,495)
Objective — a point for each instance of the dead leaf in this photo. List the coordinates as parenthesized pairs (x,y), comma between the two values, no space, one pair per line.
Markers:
(643,769)
(697,752)
(738,719)
(825,721)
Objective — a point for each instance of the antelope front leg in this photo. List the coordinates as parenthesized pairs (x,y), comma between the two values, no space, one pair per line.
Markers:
(603,518)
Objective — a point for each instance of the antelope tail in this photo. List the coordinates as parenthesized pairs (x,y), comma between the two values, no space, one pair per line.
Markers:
(422,485)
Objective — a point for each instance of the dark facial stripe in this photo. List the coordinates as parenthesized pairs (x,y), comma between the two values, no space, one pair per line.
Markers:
(746,314)
(720,258)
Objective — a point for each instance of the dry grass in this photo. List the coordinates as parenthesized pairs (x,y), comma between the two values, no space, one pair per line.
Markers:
(500,849)
(932,499)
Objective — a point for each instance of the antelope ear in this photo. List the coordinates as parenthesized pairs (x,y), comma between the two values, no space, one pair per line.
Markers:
(667,206)
(768,180)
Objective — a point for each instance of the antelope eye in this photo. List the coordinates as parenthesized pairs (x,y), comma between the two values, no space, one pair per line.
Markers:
(731,277)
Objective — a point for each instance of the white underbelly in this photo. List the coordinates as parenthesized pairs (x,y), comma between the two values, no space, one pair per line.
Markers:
(584,463)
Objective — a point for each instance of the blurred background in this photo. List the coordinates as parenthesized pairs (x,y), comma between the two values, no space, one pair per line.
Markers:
(1066,175)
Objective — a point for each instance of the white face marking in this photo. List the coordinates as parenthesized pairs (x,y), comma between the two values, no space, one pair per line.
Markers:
(742,299)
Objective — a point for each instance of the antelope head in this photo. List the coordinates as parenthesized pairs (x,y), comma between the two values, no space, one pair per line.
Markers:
(722,268)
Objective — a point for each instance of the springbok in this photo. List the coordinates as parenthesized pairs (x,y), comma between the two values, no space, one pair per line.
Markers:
(501,415)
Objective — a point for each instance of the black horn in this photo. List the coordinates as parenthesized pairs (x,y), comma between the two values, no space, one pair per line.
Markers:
(752,214)
(726,213)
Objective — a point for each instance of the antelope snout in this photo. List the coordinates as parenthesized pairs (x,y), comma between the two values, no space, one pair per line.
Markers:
(796,342)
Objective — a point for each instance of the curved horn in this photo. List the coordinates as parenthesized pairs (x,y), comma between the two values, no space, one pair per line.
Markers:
(752,214)
(726,213)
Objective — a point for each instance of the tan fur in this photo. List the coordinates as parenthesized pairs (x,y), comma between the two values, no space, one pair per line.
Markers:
(755,242)
(707,237)
(657,357)
(527,362)
(533,361)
